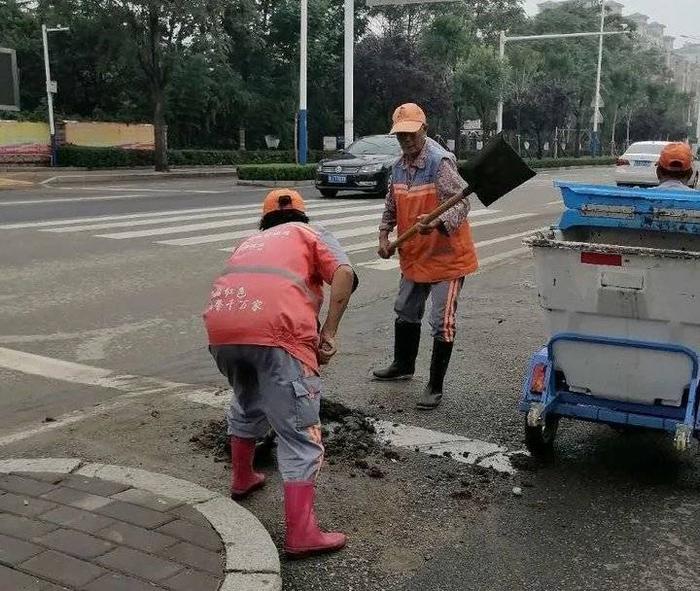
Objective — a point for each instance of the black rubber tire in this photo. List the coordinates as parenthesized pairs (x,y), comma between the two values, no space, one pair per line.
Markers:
(540,440)
(328,193)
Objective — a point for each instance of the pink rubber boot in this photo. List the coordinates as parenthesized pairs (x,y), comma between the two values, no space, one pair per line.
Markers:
(244,479)
(303,534)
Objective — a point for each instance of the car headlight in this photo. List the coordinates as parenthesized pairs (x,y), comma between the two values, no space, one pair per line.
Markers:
(370,168)
(319,167)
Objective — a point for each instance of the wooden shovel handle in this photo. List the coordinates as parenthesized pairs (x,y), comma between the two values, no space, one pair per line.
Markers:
(433,215)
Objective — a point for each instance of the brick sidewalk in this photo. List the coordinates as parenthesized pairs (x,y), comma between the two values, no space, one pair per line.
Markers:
(65,531)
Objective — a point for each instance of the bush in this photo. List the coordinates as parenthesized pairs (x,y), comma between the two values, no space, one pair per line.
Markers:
(85,157)
(277,172)
(89,157)
(561,162)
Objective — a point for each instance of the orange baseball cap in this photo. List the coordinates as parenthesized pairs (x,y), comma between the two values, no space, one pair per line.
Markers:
(283,199)
(408,118)
(676,157)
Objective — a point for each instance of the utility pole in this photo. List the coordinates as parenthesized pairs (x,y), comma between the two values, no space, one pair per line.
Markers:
(501,57)
(504,39)
(697,125)
(595,139)
(302,118)
(349,130)
(50,86)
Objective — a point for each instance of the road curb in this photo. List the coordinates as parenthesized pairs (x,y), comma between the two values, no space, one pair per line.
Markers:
(274,184)
(252,560)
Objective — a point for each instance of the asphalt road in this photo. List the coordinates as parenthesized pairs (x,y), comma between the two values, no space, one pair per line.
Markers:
(115,277)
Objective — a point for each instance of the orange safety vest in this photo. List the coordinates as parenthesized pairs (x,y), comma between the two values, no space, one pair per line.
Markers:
(433,257)
(272,292)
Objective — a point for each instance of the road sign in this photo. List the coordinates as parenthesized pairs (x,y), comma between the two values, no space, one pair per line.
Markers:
(371,3)
(53,87)
(9,81)
(601,102)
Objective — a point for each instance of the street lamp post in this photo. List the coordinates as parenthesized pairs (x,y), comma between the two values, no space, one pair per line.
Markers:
(302,119)
(502,47)
(50,86)
(349,131)
(697,124)
(595,141)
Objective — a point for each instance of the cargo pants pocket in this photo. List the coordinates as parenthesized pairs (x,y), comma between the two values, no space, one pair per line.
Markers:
(307,401)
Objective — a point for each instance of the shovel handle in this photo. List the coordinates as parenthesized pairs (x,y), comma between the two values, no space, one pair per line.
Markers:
(433,215)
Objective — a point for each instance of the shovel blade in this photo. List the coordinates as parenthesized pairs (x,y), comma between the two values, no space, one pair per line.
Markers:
(496,171)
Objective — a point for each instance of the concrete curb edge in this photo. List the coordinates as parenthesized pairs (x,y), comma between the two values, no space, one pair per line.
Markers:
(249,544)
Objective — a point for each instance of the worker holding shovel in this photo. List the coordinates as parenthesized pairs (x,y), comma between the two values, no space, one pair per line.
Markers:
(427,200)
(435,262)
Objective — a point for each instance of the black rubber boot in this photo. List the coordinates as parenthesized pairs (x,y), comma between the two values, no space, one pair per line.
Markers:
(432,393)
(406,342)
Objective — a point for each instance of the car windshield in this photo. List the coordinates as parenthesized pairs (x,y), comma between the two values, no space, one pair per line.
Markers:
(376,145)
(645,149)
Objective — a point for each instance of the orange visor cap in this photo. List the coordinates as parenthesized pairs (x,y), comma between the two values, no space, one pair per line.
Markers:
(280,199)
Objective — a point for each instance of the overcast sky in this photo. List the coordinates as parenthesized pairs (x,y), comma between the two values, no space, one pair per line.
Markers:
(682,17)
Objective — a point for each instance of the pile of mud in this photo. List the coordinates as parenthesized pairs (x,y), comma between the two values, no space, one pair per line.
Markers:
(346,433)
(212,437)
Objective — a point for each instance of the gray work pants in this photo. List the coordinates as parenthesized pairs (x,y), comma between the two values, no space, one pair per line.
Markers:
(272,388)
(410,305)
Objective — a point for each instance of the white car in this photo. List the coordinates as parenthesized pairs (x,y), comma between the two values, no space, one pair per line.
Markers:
(637,166)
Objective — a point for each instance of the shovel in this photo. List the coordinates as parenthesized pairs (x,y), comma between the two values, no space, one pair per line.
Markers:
(496,171)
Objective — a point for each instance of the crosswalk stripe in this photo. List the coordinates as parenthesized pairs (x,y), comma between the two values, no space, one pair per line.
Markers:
(70,199)
(485,243)
(229,236)
(360,246)
(313,204)
(220,224)
(508,218)
(183,218)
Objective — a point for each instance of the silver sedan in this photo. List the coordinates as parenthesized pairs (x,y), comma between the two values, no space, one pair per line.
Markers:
(637,166)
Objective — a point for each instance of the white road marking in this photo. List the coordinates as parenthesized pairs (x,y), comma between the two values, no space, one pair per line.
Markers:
(77,373)
(455,447)
(174,190)
(371,244)
(484,243)
(360,246)
(340,234)
(497,258)
(228,236)
(183,218)
(313,204)
(231,223)
(508,218)
(71,199)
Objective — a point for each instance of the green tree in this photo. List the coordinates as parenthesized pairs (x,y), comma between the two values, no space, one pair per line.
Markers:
(479,81)
(161,31)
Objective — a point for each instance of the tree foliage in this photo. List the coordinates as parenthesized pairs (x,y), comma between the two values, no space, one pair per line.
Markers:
(207,70)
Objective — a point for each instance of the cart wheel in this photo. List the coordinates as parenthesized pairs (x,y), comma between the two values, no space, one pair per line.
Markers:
(539,439)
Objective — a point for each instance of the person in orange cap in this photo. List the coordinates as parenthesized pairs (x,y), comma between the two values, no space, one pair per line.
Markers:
(265,336)
(675,167)
(435,262)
